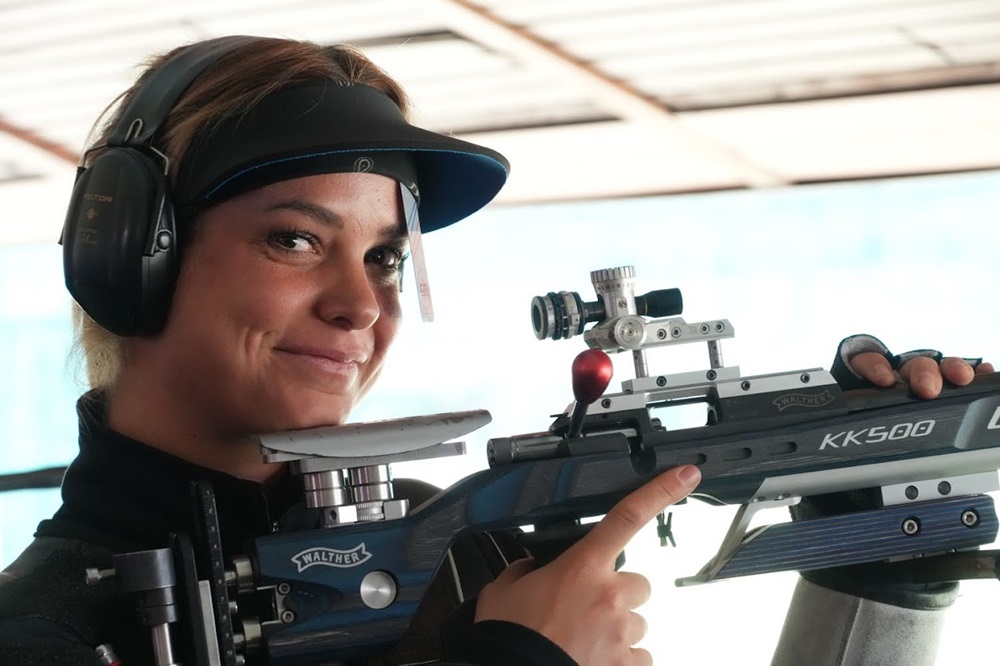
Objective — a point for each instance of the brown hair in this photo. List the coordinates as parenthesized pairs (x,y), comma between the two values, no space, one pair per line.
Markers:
(229,87)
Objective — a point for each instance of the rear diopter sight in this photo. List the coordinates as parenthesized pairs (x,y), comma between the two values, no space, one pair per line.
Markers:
(563,314)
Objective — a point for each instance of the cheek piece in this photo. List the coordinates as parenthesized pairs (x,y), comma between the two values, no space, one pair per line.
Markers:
(120,247)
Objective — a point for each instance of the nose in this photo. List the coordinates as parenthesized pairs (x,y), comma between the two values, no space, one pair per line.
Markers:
(348,298)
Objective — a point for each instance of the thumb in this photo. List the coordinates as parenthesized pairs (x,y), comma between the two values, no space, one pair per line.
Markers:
(517,570)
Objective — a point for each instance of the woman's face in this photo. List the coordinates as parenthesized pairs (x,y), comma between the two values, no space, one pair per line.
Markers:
(287,302)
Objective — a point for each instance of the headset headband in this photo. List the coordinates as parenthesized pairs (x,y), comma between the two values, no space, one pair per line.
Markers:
(157,96)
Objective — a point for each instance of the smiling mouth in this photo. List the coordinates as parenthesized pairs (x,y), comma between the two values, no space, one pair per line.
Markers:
(343,365)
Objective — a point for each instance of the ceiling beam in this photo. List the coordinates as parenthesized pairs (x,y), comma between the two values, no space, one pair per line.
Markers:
(52,148)
(842,87)
(614,95)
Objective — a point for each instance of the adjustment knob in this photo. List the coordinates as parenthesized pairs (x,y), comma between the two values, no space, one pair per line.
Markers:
(605,276)
(615,288)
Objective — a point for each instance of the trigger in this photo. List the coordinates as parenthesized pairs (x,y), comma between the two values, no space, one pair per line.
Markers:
(664,529)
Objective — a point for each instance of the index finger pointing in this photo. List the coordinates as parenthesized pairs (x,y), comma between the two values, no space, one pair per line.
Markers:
(610,536)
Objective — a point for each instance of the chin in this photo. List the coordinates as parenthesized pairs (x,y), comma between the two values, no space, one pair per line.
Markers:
(311,412)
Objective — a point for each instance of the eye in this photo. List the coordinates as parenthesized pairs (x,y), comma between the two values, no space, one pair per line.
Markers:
(293,240)
(389,259)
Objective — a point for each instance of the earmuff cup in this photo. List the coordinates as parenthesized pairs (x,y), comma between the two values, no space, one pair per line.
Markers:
(120,254)
(119,242)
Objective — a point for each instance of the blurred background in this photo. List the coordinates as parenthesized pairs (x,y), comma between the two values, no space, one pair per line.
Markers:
(807,169)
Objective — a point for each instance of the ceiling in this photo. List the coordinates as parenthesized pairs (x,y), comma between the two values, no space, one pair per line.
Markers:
(588,99)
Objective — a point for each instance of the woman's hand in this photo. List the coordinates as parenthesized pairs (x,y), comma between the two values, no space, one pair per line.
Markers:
(578,601)
(922,373)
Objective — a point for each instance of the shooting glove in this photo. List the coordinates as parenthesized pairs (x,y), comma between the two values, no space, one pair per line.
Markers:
(884,582)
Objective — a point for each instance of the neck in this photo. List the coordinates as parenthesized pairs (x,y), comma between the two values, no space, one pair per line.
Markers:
(151,412)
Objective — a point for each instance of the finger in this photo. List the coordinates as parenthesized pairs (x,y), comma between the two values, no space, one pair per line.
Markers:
(641,657)
(636,628)
(874,367)
(923,375)
(957,371)
(610,536)
(635,589)
(984,368)
(517,570)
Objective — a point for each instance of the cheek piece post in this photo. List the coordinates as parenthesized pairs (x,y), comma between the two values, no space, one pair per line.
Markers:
(120,237)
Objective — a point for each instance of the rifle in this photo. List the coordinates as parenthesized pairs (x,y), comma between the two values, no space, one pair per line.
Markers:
(350,586)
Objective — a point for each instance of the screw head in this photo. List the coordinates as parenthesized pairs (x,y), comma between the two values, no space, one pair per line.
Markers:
(911,492)
(911,526)
(745,385)
(944,488)
(805,378)
(661,333)
(970,517)
(287,616)
(719,327)
(661,381)
(711,375)
(606,403)
(676,332)
(284,588)
(704,328)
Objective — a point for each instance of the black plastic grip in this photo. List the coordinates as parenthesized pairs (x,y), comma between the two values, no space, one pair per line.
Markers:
(660,303)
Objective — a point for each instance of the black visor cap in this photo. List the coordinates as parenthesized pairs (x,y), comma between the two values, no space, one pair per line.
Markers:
(308,129)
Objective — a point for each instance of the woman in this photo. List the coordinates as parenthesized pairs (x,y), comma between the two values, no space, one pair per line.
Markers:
(269,304)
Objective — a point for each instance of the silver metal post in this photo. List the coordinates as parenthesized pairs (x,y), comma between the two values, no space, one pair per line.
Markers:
(639,358)
(715,353)
(326,488)
(163,651)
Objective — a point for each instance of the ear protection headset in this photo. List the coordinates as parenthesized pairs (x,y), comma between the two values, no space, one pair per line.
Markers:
(120,254)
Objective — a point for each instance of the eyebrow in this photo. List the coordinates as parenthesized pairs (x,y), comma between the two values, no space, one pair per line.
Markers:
(395,231)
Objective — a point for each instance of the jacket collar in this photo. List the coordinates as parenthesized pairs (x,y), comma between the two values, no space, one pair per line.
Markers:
(125,495)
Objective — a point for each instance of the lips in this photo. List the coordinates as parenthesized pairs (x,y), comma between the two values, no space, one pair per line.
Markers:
(335,355)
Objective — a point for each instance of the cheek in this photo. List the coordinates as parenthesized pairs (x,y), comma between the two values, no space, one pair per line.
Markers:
(388,322)
(209,278)
(390,307)
(235,301)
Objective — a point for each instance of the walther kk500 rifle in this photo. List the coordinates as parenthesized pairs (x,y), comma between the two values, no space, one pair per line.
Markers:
(351,586)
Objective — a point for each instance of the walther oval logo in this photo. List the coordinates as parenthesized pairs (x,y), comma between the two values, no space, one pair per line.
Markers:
(783,402)
(331,557)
